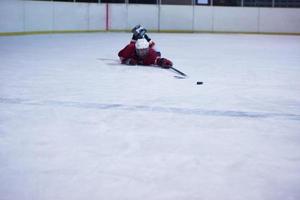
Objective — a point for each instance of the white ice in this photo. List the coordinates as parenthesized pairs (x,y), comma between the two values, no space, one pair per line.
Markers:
(76,125)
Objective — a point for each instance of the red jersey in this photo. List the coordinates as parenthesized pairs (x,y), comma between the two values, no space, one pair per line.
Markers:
(129,52)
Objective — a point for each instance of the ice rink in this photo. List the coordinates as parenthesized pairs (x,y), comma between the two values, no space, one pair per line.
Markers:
(77,125)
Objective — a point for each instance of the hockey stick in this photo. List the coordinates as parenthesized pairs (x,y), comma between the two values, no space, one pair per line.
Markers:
(182,75)
(179,72)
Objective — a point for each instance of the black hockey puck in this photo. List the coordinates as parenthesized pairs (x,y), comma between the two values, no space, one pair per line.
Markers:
(199,82)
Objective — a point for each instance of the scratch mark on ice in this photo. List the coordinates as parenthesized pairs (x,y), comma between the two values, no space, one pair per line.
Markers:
(188,111)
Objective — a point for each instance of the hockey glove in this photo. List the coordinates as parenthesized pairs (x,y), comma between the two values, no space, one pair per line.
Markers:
(130,61)
(135,28)
(164,63)
(136,37)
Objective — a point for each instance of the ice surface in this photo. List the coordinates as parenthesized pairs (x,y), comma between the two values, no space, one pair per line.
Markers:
(76,125)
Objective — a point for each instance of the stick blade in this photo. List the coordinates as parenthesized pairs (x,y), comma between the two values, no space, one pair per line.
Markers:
(180,77)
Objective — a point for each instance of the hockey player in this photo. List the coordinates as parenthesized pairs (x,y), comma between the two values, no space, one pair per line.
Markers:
(140,51)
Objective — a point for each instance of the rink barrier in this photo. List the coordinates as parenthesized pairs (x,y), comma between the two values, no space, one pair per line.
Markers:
(34,17)
(129,31)
(50,32)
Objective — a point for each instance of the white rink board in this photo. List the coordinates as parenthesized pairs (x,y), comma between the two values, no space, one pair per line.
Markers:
(174,17)
(147,15)
(235,19)
(118,16)
(11,16)
(203,18)
(30,16)
(38,16)
(96,19)
(279,20)
(70,16)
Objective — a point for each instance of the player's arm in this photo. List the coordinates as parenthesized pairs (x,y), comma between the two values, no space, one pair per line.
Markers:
(151,42)
(139,32)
